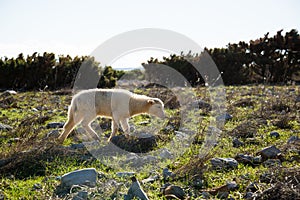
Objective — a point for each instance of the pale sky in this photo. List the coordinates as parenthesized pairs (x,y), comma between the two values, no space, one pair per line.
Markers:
(77,27)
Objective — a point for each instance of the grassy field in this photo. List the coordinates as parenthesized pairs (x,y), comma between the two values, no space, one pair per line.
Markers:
(31,163)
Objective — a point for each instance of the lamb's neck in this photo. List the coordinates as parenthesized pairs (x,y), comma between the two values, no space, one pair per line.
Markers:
(137,106)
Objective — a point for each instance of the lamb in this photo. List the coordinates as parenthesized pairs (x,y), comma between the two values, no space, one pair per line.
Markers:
(117,104)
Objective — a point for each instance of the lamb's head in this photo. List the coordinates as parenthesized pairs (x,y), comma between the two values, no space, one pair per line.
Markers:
(156,107)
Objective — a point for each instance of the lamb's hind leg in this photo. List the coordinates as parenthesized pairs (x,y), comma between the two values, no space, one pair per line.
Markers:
(69,126)
(86,124)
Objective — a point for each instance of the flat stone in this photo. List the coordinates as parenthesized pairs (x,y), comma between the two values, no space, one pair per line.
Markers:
(272,163)
(165,154)
(125,174)
(53,134)
(55,125)
(11,92)
(174,191)
(269,152)
(77,146)
(223,163)
(150,179)
(248,159)
(86,176)
(293,139)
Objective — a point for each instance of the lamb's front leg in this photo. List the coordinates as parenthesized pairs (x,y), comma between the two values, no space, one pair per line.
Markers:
(125,126)
(114,128)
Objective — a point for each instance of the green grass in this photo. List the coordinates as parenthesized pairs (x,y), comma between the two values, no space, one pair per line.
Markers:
(32,106)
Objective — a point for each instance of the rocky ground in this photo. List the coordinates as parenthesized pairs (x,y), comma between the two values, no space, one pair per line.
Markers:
(256,155)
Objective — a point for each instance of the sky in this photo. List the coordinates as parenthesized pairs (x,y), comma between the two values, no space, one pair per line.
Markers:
(74,27)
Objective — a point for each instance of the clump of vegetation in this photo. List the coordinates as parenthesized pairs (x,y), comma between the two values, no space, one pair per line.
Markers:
(40,71)
(272,59)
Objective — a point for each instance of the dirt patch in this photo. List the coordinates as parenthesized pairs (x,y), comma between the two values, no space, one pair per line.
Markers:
(281,107)
(135,144)
(246,129)
(285,185)
(244,103)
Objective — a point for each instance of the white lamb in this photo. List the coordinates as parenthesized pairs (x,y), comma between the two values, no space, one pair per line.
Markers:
(117,104)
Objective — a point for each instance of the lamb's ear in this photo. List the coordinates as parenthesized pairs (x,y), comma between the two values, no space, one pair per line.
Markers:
(151,101)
